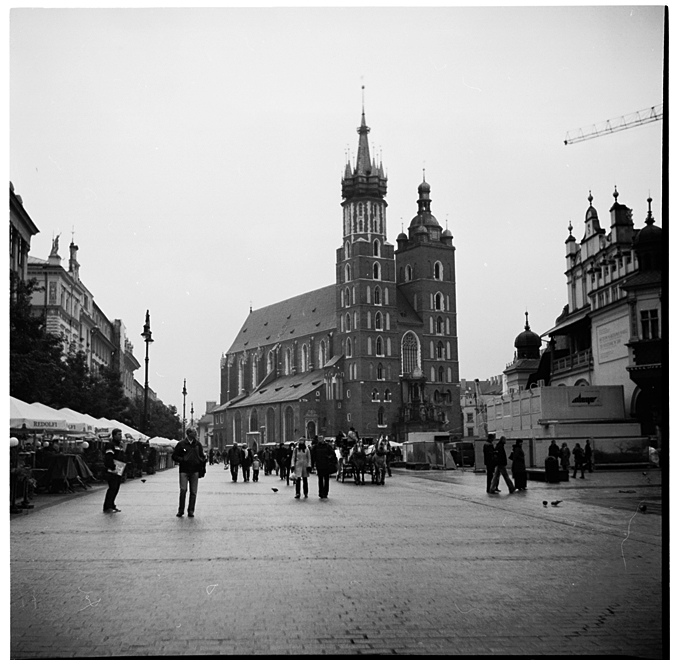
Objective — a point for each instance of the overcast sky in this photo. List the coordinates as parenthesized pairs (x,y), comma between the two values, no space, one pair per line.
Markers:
(196,154)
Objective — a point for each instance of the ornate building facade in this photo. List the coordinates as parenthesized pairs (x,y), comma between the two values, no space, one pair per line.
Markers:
(610,331)
(377,350)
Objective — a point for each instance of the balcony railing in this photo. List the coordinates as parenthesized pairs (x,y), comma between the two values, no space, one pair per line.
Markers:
(573,361)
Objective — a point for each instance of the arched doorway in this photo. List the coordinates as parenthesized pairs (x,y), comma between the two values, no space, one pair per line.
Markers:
(311,429)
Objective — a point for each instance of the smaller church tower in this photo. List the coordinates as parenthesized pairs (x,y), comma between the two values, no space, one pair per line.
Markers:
(527,358)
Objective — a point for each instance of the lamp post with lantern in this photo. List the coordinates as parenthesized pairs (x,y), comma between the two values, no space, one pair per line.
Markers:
(147,340)
(184,408)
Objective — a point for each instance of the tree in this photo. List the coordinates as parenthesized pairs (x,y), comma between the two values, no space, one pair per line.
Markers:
(37,368)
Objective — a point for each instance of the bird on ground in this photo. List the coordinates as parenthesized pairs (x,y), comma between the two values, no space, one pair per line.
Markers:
(643,508)
(276,490)
(545,502)
(556,502)
(644,474)
(143,481)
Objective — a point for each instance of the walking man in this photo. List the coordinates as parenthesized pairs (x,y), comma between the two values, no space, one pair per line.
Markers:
(489,459)
(191,458)
(326,464)
(114,462)
(588,454)
(234,458)
(501,468)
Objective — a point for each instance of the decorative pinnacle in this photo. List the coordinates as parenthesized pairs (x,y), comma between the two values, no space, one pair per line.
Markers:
(526,325)
(616,194)
(590,197)
(569,227)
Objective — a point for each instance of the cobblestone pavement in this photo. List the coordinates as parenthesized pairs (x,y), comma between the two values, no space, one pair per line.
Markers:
(427,564)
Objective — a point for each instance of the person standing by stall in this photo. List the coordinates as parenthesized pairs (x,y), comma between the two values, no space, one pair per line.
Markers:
(114,465)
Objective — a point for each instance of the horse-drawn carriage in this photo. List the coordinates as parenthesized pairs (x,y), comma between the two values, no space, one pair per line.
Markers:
(360,460)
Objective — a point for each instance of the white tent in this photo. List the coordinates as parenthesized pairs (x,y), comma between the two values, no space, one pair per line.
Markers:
(36,417)
(83,424)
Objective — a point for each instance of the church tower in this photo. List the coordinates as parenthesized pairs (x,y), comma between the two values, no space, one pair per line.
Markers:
(366,296)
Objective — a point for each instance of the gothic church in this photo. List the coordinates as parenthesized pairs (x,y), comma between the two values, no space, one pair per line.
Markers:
(377,350)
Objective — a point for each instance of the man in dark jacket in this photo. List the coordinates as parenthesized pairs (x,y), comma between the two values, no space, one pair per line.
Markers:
(246,462)
(501,468)
(283,459)
(489,459)
(234,457)
(114,464)
(326,464)
(191,458)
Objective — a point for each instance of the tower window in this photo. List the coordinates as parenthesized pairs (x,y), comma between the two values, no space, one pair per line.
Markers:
(410,353)
(378,321)
(438,301)
(376,271)
(347,300)
(409,273)
(381,372)
(379,346)
(377,296)
(348,348)
(440,325)
(348,273)
(438,271)
(376,248)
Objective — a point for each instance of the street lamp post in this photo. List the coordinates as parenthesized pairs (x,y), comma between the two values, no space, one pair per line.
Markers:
(147,340)
(184,407)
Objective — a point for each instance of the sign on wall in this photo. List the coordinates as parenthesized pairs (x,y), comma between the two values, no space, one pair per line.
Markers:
(611,340)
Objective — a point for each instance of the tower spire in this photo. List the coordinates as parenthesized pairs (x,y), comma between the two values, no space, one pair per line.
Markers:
(363,154)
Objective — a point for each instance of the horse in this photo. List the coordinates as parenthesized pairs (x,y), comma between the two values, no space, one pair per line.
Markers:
(358,461)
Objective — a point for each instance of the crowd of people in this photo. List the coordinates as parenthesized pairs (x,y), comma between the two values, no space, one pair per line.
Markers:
(295,461)
(496,462)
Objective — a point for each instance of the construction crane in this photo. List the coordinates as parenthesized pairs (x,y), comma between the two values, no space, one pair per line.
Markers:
(615,125)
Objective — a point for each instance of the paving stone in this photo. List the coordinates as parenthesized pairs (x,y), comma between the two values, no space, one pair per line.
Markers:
(429,564)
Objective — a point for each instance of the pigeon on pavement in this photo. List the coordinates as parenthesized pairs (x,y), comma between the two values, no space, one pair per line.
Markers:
(556,502)
(276,490)
(545,502)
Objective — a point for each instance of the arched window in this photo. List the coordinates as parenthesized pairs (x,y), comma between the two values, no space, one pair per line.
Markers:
(376,248)
(369,344)
(409,273)
(237,426)
(347,252)
(342,298)
(241,375)
(438,271)
(348,273)
(380,372)
(388,395)
(346,300)
(354,295)
(448,375)
(386,297)
(377,296)
(376,270)
(322,353)
(342,323)
(305,358)
(270,430)
(374,395)
(288,425)
(438,301)
(378,320)
(440,351)
(348,323)
(437,398)
(271,361)
(381,416)
(389,344)
(254,426)
(410,353)
(440,325)
(348,347)
(287,363)
(253,372)
(440,375)
(379,346)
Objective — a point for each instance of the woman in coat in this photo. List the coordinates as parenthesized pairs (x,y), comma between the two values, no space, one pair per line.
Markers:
(519,468)
(299,462)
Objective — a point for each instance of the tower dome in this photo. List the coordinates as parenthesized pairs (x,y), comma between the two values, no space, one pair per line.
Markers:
(528,343)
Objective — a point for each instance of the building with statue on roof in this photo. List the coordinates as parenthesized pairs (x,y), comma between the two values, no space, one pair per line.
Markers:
(603,374)
(377,350)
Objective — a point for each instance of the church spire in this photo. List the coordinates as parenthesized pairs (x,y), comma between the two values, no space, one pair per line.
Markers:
(363,155)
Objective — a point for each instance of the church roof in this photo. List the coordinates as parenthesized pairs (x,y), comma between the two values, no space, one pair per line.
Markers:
(285,388)
(311,313)
(406,313)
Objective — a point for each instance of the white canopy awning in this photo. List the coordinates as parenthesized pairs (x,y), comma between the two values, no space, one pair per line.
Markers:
(36,417)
